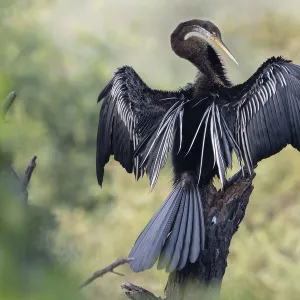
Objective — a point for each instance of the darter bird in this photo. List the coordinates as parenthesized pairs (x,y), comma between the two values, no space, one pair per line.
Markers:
(203,124)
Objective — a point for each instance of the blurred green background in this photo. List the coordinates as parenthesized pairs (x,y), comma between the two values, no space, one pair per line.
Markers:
(57,56)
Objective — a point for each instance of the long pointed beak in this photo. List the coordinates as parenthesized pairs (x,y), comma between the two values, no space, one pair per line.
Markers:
(212,37)
(224,48)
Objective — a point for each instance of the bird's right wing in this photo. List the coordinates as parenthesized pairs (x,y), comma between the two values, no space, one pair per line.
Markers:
(134,117)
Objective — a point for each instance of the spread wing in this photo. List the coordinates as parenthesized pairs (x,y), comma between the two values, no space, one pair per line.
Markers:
(266,111)
(136,124)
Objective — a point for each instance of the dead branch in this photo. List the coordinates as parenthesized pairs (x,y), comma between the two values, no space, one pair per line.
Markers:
(135,292)
(9,102)
(18,184)
(28,172)
(109,269)
(223,212)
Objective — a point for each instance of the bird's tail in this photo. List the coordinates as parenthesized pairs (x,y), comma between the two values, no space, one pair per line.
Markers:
(175,233)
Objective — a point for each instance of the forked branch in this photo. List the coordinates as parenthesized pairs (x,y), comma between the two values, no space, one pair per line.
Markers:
(110,268)
(20,183)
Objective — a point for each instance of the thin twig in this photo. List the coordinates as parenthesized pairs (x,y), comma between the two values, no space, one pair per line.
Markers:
(9,102)
(29,171)
(109,269)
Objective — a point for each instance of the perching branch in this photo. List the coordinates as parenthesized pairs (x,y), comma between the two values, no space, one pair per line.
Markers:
(110,268)
(223,213)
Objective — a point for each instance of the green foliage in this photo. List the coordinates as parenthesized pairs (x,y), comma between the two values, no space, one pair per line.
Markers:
(28,270)
(57,56)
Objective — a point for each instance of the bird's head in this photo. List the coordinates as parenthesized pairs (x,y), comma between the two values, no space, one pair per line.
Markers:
(190,37)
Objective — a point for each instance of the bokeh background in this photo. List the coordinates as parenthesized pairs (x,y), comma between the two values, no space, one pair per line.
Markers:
(57,56)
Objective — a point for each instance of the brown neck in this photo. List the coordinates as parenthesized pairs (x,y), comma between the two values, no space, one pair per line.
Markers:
(202,56)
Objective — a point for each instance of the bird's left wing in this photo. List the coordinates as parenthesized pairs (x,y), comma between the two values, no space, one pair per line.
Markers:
(264,112)
(134,117)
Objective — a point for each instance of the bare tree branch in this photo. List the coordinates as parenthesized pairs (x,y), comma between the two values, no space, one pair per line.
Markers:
(29,170)
(20,183)
(223,212)
(109,269)
(135,292)
(9,102)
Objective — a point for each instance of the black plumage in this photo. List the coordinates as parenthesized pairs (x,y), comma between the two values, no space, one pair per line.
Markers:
(203,124)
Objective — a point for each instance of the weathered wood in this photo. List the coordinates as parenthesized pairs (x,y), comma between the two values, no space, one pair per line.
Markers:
(224,211)
(135,292)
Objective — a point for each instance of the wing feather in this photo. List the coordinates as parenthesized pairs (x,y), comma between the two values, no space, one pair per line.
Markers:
(267,110)
(131,114)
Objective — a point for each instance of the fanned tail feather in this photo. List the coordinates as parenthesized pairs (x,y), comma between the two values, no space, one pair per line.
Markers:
(175,234)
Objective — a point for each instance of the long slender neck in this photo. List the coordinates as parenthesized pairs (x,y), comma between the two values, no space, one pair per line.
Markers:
(203,57)
(211,70)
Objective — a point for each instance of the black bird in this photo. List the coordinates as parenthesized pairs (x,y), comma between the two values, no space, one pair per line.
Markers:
(203,124)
